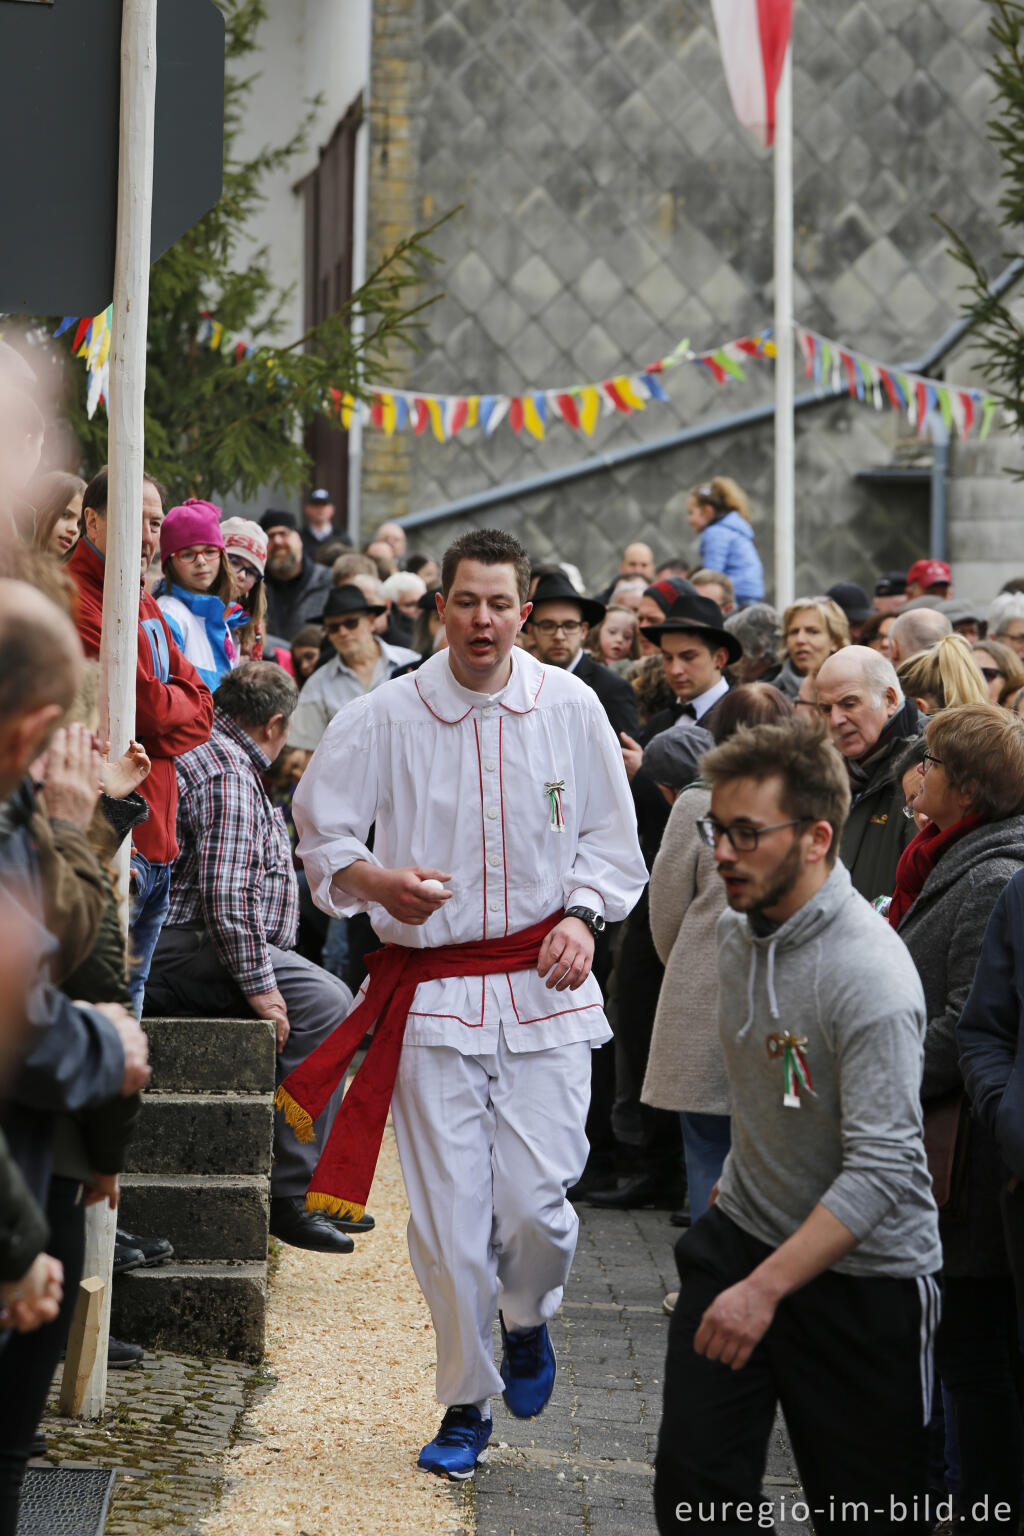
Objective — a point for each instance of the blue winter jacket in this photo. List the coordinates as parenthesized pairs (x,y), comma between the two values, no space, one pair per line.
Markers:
(989,1031)
(727,545)
(201,628)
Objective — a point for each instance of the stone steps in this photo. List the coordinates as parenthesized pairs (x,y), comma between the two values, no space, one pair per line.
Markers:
(199,1173)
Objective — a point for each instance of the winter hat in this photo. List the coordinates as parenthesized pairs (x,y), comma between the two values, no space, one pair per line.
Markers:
(194,522)
(244,537)
(273,519)
(667,589)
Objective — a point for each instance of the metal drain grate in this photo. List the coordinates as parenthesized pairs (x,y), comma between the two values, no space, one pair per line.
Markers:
(65,1501)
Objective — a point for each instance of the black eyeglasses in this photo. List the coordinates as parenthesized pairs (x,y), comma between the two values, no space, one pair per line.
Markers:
(743,837)
(928,758)
(549,627)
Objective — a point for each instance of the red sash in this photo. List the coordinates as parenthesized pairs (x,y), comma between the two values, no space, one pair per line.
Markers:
(341,1183)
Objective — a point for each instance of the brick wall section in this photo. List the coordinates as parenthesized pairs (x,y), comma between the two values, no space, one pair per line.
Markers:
(612,205)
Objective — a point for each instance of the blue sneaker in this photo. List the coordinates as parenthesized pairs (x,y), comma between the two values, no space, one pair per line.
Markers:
(527,1369)
(458,1445)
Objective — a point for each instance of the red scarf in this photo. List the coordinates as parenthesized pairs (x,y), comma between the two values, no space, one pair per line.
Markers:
(341,1182)
(919,858)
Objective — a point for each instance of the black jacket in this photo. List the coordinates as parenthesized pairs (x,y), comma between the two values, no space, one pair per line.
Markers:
(293,604)
(989,1030)
(615,693)
(876,830)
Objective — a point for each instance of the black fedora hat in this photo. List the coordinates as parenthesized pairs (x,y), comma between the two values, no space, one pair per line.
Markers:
(349,599)
(698,616)
(557,588)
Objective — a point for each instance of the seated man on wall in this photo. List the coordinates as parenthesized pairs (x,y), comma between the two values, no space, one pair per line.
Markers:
(228,947)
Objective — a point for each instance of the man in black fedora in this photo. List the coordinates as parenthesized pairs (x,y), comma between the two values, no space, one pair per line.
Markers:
(363,661)
(559,624)
(695,648)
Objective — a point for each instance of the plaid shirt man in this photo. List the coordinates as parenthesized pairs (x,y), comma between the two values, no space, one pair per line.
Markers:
(234,875)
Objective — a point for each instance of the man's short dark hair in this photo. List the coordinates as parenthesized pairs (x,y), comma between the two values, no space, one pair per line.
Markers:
(255,692)
(491,546)
(96,493)
(814,784)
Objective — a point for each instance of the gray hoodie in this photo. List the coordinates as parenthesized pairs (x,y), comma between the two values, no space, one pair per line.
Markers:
(836,976)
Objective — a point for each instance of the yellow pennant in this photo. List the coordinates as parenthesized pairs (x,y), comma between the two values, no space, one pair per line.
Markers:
(590,408)
(531,418)
(472,410)
(346,408)
(216,335)
(625,388)
(436,418)
(388,414)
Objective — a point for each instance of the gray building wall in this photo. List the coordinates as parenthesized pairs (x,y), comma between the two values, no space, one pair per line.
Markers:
(613,205)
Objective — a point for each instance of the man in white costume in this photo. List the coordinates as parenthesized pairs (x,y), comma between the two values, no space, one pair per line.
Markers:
(499,775)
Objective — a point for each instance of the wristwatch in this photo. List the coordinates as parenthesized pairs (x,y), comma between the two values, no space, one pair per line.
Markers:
(594,921)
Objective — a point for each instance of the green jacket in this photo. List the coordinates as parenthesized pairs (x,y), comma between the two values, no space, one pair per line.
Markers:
(876,830)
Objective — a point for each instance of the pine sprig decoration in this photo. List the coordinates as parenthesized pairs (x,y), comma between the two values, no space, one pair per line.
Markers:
(215,427)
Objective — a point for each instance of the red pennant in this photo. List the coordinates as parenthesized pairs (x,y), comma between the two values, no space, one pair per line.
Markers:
(616,399)
(459,415)
(748,345)
(921,396)
(515,415)
(570,412)
(717,371)
(239,351)
(890,388)
(377,411)
(851,372)
(335,395)
(968,408)
(80,332)
(421,416)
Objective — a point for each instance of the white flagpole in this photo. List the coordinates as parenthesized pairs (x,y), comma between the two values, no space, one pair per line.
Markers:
(785,445)
(119,642)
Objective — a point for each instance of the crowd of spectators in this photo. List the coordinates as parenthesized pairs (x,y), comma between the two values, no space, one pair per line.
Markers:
(252,636)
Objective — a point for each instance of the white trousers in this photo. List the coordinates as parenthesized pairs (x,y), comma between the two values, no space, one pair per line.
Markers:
(488,1146)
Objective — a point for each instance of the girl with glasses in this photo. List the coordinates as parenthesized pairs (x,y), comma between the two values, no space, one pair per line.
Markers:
(198,600)
(245,545)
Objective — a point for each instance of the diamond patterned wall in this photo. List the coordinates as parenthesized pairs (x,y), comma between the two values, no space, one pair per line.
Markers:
(612,205)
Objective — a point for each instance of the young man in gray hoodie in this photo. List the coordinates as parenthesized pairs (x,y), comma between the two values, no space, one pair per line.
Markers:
(810,1283)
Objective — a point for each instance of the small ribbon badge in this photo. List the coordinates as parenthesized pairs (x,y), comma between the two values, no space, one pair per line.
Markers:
(796,1072)
(554,793)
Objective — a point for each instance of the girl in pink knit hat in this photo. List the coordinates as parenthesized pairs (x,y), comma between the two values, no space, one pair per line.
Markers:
(245,544)
(199,594)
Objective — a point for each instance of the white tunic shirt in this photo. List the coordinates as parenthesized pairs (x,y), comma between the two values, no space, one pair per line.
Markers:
(457,781)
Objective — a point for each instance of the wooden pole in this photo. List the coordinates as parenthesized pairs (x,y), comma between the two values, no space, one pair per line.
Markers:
(119,643)
(785,439)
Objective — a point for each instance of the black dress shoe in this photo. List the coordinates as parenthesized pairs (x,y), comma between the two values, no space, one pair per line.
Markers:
(648,1189)
(292,1223)
(365,1223)
(679,1219)
(591,1184)
(154,1250)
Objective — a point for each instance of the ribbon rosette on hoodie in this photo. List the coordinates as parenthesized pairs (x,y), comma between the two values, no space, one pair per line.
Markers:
(795,1071)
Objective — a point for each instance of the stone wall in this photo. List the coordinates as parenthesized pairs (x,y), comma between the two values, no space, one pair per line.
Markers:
(612,205)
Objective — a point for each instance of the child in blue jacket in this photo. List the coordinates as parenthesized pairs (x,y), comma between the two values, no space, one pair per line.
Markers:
(720,513)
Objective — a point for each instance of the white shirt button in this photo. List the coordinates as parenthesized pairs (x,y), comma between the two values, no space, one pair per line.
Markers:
(494,861)
(490,766)
(492,813)
(488,709)
(495,906)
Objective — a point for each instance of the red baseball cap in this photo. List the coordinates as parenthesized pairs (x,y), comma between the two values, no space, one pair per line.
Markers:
(930,573)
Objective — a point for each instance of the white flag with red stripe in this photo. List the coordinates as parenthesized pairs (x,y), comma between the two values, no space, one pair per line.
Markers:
(753,36)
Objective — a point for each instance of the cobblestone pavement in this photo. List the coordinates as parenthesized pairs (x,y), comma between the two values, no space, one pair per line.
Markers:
(166,1429)
(586,1465)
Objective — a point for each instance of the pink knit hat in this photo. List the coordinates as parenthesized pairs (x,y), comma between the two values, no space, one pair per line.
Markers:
(244,537)
(194,522)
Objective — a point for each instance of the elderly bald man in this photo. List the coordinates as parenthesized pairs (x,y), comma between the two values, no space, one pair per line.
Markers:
(916,629)
(870,722)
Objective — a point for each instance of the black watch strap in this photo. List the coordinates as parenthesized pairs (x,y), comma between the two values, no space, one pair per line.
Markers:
(594,921)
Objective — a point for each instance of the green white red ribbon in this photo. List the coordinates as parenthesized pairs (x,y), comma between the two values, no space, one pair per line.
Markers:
(554,792)
(796,1074)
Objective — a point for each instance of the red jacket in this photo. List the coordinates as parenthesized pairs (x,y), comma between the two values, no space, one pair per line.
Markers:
(173,706)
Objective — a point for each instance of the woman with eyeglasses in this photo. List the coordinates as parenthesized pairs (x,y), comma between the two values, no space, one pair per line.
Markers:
(948,882)
(198,600)
(245,545)
(720,512)
(1001,668)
